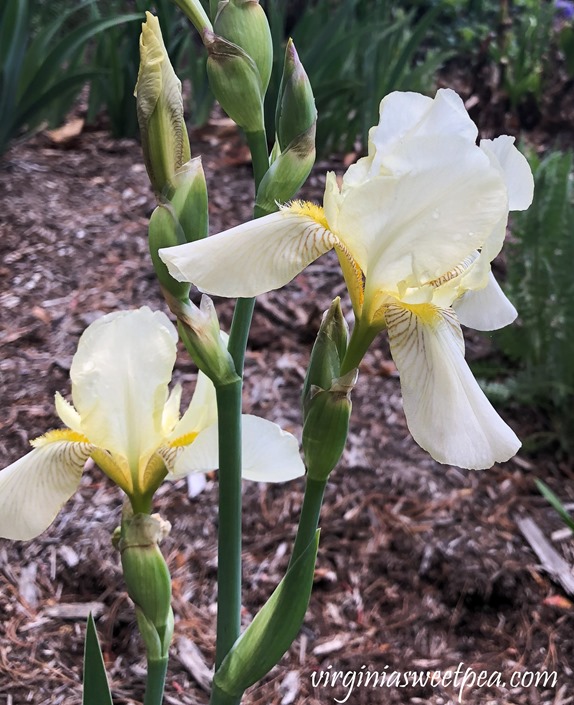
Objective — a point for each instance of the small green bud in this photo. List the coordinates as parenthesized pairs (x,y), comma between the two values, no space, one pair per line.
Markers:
(296,113)
(244,23)
(328,351)
(164,137)
(293,154)
(190,200)
(200,332)
(287,173)
(235,82)
(147,579)
(165,231)
(194,12)
(326,425)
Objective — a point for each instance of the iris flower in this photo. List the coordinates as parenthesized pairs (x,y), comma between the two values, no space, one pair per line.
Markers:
(124,418)
(415,225)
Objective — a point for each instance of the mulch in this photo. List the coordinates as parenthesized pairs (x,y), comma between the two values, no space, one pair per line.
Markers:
(421,566)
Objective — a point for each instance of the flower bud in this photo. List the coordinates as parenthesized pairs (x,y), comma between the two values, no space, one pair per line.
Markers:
(328,351)
(326,425)
(244,23)
(235,82)
(194,12)
(296,113)
(327,396)
(293,154)
(200,332)
(165,231)
(147,579)
(190,200)
(164,137)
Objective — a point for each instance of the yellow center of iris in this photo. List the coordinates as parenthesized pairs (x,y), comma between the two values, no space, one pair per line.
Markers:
(309,210)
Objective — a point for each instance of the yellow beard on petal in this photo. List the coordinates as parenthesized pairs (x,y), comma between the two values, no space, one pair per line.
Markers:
(59,434)
(428,314)
(309,210)
(184,440)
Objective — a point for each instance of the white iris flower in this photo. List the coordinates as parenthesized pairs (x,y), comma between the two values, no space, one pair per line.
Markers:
(415,225)
(126,420)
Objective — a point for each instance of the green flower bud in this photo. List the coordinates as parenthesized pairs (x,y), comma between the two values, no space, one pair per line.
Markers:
(328,351)
(326,425)
(147,579)
(296,113)
(165,231)
(164,137)
(194,11)
(235,82)
(244,23)
(200,332)
(190,201)
(287,173)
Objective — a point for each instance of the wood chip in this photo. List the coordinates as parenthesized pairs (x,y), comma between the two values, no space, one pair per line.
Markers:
(192,659)
(329,647)
(551,561)
(75,610)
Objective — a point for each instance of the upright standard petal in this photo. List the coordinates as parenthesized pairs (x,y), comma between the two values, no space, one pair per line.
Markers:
(269,454)
(120,375)
(201,412)
(255,257)
(34,488)
(447,412)
(514,168)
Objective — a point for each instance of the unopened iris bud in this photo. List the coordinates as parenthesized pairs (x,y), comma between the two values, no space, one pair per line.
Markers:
(147,579)
(200,332)
(235,82)
(327,396)
(326,425)
(165,231)
(244,23)
(194,11)
(164,137)
(190,201)
(328,351)
(293,155)
(296,113)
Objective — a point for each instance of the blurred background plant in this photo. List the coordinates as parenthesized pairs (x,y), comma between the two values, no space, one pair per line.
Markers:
(539,347)
(43,61)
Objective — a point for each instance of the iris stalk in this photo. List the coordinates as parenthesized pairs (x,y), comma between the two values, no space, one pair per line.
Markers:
(229,423)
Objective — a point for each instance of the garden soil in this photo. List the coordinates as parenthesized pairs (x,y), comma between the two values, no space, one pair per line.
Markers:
(421,568)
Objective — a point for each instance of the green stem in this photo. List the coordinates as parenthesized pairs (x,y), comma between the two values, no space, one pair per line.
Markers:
(229,429)
(220,697)
(309,518)
(229,535)
(361,338)
(156,671)
(257,142)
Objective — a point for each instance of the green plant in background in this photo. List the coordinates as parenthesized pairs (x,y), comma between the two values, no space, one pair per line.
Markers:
(541,285)
(355,51)
(41,73)
(553,500)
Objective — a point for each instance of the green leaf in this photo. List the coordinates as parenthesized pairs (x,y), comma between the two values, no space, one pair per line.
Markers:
(273,630)
(96,688)
(547,493)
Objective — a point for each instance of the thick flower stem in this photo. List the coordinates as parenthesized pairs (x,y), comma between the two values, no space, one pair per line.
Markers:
(309,518)
(229,425)
(361,338)
(156,671)
(229,535)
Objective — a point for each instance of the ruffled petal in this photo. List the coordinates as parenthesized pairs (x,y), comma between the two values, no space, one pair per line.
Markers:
(447,412)
(515,169)
(120,375)
(485,309)
(34,488)
(255,257)
(269,453)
